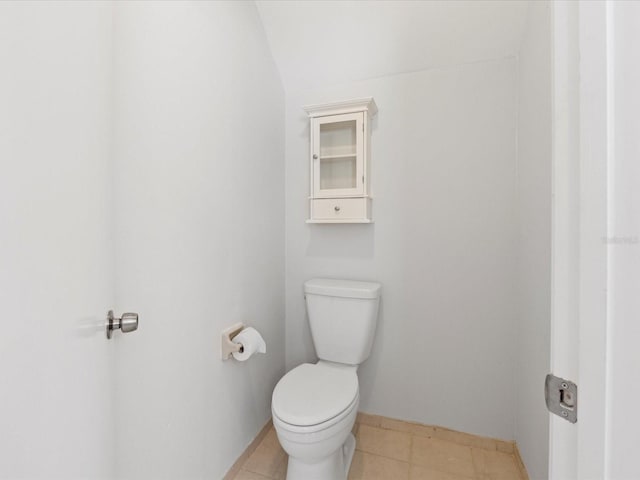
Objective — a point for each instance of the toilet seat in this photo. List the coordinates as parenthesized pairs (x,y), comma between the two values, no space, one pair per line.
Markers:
(315,395)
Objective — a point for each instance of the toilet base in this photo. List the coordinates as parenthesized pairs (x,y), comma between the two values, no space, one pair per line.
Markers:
(348,449)
(334,467)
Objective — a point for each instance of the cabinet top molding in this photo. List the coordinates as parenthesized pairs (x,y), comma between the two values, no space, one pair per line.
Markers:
(366,104)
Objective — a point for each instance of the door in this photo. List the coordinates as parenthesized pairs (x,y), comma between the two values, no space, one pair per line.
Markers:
(337,155)
(56,265)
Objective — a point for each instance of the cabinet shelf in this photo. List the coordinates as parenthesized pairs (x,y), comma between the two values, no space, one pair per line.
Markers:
(351,220)
(337,157)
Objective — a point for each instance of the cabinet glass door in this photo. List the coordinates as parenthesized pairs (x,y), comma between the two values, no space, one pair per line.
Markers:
(337,155)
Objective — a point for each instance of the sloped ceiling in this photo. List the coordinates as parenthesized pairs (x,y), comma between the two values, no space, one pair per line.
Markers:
(323,42)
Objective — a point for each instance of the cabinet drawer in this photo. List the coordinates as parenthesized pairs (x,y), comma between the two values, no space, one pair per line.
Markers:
(339,209)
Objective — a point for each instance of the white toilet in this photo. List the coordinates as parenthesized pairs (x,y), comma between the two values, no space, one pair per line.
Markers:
(314,406)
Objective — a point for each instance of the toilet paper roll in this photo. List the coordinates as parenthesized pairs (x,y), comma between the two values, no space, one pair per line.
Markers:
(251,342)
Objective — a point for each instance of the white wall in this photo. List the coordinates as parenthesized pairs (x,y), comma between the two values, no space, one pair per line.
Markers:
(534,239)
(56,273)
(375,38)
(624,246)
(443,244)
(199,162)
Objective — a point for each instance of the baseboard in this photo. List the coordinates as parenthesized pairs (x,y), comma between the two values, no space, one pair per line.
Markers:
(441,433)
(235,468)
(523,469)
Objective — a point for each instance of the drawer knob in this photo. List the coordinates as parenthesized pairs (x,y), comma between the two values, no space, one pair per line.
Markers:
(337,208)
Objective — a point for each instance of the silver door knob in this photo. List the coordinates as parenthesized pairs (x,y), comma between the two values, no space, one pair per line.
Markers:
(315,157)
(127,323)
(336,208)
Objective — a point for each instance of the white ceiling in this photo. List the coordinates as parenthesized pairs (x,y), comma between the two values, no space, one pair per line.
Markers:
(320,42)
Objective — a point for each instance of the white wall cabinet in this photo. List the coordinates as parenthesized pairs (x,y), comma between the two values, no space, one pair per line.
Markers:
(340,162)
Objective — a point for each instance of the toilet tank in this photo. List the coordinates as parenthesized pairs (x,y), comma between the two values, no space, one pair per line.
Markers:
(343,316)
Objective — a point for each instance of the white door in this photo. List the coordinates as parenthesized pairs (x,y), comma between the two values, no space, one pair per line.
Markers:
(338,153)
(595,237)
(56,266)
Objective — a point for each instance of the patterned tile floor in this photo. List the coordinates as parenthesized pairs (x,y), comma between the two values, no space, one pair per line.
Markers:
(393,450)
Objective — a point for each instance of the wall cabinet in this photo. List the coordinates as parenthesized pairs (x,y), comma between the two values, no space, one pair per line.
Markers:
(339,158)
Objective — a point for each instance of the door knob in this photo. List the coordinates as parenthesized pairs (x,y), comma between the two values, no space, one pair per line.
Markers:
(127,323)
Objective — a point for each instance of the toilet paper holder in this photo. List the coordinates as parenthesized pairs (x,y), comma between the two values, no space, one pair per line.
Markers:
(227,346)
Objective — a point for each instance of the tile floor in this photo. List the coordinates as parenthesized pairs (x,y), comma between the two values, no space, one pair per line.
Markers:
(392,450)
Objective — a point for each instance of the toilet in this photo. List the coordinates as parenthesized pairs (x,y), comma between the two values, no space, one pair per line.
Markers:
(314,406)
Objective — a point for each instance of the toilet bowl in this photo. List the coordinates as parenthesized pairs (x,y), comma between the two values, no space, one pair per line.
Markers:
(314,409)
(314,406)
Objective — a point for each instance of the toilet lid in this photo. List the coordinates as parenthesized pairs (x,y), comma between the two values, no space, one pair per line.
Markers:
(312,394)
